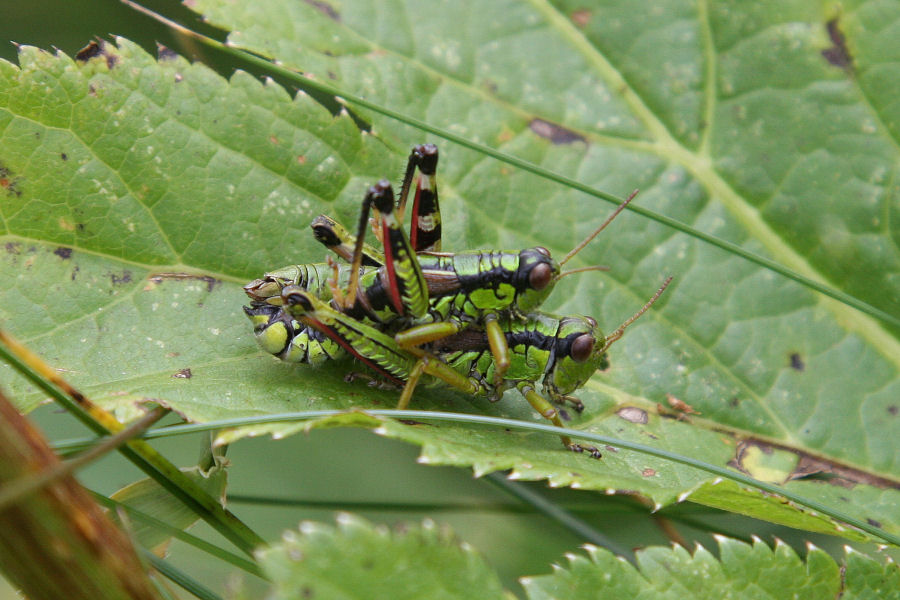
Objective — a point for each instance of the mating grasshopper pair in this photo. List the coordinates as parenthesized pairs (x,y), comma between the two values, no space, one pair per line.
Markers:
(467,319)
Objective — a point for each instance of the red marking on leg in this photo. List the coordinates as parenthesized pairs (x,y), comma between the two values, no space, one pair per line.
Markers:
(331,333)
(393,288)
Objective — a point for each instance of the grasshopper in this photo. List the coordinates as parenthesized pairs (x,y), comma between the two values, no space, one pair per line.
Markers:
(560,352)
(439,294)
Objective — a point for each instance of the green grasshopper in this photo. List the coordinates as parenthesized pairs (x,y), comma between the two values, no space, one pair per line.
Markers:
(560,352)
(438,293)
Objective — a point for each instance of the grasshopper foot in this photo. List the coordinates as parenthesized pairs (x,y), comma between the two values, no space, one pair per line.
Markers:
(577,405)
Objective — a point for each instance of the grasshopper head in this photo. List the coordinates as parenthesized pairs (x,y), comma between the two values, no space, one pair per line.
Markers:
(268,289)
(580,351)
(535,277)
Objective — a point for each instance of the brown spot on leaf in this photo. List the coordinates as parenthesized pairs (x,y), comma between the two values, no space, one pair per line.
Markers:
(557,134)
(63,253)
(506,134)
(13,248)
(164,53)
(797,363)
(301,160)
(837,55)
(680,405)
(124,278)
(893,410)
(183,374)
(64,156)
(581,18)
(324,8)
(814,468)
(873,522)
(9,181)
(648,472)
(632,414)
(88,52)
(95,49)
(211,282)
(412,422)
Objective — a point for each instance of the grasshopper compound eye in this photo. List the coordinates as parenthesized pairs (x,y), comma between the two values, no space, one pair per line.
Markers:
(582,347)
(540,277)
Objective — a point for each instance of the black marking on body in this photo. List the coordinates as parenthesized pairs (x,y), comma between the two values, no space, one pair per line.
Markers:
(426,206)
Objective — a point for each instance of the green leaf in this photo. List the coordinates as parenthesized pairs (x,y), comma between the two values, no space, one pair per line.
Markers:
(139,195)
(357,560)
(742,570)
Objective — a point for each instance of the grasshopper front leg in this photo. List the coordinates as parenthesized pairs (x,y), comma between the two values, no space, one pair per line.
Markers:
(547,410)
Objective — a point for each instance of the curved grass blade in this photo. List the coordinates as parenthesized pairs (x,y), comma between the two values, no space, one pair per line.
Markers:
(137,451)
(416,415)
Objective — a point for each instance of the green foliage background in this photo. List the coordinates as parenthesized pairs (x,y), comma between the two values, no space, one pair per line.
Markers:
(772,126)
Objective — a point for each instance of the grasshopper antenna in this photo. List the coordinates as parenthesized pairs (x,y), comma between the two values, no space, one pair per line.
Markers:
(582,270)
(618,332)
(603,225)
